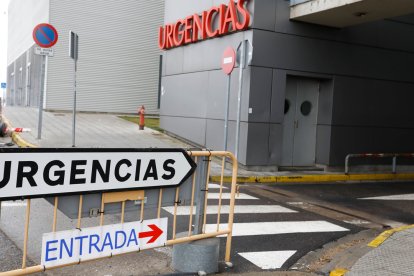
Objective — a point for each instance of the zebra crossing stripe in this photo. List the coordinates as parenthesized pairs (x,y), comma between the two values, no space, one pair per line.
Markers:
(268,259)
(216,186)
(227,196)
(238,209)
(391,197)
(13,204)
(280,227)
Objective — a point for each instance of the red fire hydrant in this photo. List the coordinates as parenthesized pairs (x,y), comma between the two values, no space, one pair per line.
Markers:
(141,113)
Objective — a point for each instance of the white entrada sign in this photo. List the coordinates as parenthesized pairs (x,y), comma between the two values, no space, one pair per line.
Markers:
(44,51)
(28,173)
(74,246)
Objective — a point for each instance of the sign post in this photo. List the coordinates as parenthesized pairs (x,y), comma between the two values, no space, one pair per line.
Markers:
(242,49)
(227,65)
(3,86)
(244,57)
(46,36)
(73,53)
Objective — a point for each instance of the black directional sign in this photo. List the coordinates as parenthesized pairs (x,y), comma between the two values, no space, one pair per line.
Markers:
(27,173)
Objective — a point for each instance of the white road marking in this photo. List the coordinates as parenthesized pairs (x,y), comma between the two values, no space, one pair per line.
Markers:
(238,209)
(216,186)
(13,204)
(275,228)
(391,197)
(268,259)
(356,221)
(227,196)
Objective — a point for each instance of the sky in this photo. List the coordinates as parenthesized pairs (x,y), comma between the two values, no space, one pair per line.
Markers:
(3,39)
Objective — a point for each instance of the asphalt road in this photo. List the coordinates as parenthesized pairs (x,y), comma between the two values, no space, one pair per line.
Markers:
(272,235)
(385,200)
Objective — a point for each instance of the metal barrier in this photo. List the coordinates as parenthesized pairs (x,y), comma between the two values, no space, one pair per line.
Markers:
(378,155)
(139,195)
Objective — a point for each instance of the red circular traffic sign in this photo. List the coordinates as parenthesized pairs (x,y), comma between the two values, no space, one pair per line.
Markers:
(45,35)
(229,60)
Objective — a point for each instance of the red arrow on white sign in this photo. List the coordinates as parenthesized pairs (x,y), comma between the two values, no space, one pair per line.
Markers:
(155,233)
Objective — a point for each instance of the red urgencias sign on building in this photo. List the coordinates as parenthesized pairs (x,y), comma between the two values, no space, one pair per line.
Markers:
(231,18)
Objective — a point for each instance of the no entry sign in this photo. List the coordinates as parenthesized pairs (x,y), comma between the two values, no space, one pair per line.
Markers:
(45,35)
(28,173)
(228,61)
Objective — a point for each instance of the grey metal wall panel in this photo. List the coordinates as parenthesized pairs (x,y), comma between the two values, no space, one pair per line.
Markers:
(278,96)
(323,144)
(217,89)
(326,93)
(258,144)
(118,55)
(260,93)
(374,103)
(201,56)
(307,54)
(349,139)
(183,96)
(192,129)
(215,137)
(267,11)
(275,143)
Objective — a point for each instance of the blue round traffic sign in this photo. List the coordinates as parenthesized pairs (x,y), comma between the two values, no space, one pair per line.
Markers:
(45,35)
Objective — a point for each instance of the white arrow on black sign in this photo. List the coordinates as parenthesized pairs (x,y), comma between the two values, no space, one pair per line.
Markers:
(26,173)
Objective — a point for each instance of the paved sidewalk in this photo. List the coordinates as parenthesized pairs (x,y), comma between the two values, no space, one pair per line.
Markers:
(394,257)
(92,130)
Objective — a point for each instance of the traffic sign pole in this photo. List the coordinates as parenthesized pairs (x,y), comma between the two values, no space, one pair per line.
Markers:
(46,36)
(74,107)
(73,53)
(227,65)
(41,97)
(239,95)
(226,118)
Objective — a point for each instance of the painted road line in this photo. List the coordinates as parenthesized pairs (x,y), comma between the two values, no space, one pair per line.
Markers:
(268,259)
(238,209)
(356,222)
(216,186)
(391,197)
(227,196)
(13,204)
(275,228)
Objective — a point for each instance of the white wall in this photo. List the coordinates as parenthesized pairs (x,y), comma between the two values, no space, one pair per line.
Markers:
(24,15)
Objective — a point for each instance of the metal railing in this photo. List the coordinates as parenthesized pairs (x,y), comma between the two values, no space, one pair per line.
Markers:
(121,197)
(394,157)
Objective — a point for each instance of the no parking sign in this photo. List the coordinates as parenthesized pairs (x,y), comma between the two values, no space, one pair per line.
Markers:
(45,35)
